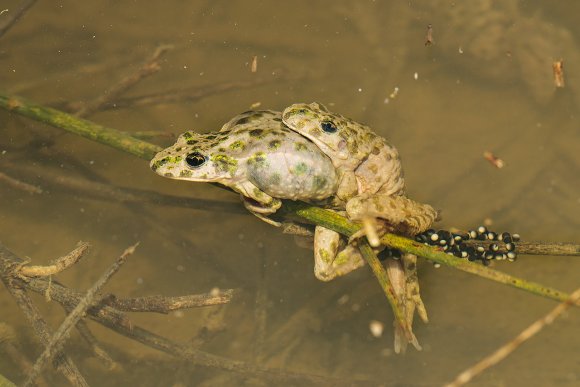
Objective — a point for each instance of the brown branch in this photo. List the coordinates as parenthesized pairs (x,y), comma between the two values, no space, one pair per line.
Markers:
(54,180)
(12,18)
(188,94)
(9,348)
(533,248)
(151,66)
(119,322)
(508,348)
(63,363)
(59,264)
(62,333)
(163,304)
(14,183)
(98,350)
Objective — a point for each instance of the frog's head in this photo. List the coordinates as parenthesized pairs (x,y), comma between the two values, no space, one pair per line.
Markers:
(196,157)
(322,127)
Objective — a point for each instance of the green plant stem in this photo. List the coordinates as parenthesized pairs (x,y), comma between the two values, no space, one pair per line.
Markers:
(112,137)
(342,225)
(435,255)
(4,382)
(329,219)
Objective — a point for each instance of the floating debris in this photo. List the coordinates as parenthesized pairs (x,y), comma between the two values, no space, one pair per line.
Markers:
(558,67)
(493,159)
(376,328)
(254,66)
(255,105)
(393,95)
(429,37)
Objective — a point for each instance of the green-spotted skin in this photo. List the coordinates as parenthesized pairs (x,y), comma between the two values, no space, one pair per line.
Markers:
(365,162)
(255,155)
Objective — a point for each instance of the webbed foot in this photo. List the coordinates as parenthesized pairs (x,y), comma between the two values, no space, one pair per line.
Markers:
(262,210)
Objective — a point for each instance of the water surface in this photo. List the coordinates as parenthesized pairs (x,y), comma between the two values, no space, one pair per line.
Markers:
(483,85)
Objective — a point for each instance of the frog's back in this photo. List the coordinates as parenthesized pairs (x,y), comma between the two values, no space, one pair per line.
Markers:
(279,161)
(254,119)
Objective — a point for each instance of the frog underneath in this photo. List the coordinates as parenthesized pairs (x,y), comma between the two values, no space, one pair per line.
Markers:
(371,190)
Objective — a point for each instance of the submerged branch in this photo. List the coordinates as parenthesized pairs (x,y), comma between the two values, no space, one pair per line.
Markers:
(118,321)
(313,214)
(506,349)
(344,226)
(84,128)
(13,16)
(62,333)
(534,248)
(150,67)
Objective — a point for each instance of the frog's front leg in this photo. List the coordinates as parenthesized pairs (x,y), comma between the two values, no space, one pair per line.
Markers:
(259,203)
(347,186)
(331,258)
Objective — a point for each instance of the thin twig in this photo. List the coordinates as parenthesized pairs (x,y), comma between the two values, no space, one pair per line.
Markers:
(55,180)
(146,151)
(59,264)
(8,21)
(342,225)
(98,350)
(188,94)
(14,183)
(505,350)
(260,309)
(59,337)
(150,67)
(163,304)
(119,322)
(8,346)
(63,363)
(533,248)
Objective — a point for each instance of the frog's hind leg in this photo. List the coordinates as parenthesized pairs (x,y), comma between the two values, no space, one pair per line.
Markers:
(331,260)
(397,276)
(414,301)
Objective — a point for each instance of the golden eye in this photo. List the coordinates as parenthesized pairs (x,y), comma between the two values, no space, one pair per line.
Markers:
(328,127)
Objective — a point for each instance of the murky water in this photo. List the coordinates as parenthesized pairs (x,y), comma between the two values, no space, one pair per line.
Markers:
(482,85)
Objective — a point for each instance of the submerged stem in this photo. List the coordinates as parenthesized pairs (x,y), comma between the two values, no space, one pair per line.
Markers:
(328,219)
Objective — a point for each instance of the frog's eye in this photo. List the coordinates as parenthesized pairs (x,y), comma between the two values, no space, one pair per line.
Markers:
(195,159)
(328,127)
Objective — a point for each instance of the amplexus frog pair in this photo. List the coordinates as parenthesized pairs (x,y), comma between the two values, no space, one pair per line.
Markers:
(310,154)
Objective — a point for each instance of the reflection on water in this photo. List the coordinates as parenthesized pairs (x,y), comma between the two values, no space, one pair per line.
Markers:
(485,84)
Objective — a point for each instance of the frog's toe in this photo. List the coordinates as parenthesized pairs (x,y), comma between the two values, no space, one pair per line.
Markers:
(420,308)
(370,230)
(267,220)
(262,211)
(353,239)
